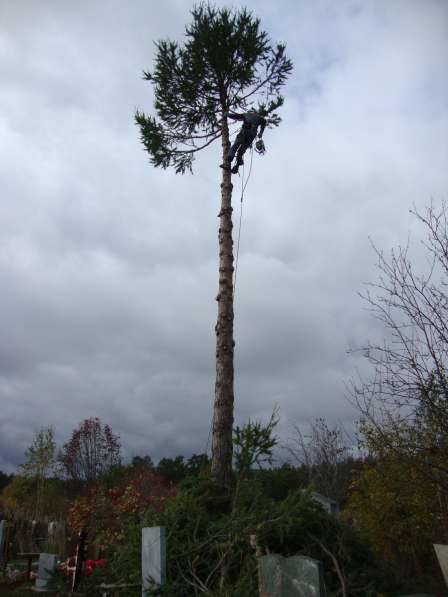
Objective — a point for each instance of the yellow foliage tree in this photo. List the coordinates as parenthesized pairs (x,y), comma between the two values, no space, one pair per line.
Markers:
(400,511)
(19,498)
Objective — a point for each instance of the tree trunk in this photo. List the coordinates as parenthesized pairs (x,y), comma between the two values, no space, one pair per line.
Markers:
(222,448)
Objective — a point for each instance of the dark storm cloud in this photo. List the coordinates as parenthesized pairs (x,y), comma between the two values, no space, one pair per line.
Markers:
(108,267)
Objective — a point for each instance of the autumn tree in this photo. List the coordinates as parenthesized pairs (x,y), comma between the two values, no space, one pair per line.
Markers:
(40,464)
(404,404)
(324,451)
(226,64)
(106,511)
(91,452)
(399,511)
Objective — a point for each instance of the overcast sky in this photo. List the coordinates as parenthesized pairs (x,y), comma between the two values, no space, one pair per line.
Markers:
(108,267)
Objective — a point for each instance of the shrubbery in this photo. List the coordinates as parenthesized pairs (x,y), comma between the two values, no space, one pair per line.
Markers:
(208,542)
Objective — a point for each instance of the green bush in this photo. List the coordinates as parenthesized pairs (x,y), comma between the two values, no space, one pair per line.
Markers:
(209,547)
(208,542)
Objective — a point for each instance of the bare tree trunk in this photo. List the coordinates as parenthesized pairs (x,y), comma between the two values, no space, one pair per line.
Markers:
(223,407)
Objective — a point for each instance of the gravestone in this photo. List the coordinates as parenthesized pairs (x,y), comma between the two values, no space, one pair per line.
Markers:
(2,541)
(330,505)
(442,556)
(56,538)
(47,566)
(296,576)
(153,557)
(52,526)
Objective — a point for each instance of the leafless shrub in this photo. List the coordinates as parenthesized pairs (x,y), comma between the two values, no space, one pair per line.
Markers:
(404,404)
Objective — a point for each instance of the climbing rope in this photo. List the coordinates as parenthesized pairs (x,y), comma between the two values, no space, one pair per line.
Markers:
(243,188)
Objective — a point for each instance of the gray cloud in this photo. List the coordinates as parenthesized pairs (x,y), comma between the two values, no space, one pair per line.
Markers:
(108,268)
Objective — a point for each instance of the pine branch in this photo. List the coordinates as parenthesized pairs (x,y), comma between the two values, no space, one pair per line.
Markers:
(225,61)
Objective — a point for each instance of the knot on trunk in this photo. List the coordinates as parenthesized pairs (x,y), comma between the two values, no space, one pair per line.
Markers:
(225,211)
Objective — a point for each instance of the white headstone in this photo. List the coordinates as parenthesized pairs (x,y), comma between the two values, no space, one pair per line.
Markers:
(52,526)
(47,566)
(442,556)
(153,557)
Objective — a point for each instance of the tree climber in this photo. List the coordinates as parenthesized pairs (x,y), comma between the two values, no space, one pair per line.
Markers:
(246,136)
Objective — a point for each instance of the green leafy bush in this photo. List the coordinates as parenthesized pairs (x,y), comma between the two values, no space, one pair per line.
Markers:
(211,535)
(208,542)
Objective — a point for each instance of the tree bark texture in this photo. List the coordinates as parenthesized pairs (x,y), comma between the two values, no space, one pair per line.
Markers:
(222,448)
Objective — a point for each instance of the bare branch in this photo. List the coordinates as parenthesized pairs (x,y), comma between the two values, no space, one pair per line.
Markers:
(335,563)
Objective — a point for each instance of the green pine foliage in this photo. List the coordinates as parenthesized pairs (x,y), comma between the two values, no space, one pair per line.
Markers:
(208,543)
(226,63)
(209,547)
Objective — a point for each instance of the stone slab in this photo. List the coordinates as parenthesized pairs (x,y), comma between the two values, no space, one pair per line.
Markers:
(153,557)
(296,576)
(47,566)
(442,556)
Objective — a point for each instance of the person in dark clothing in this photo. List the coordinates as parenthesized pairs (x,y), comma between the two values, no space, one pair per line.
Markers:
(246,136)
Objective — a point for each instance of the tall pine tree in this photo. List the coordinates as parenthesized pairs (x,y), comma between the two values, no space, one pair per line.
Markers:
(226,64)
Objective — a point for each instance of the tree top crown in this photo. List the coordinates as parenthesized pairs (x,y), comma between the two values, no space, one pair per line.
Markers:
(226,63)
